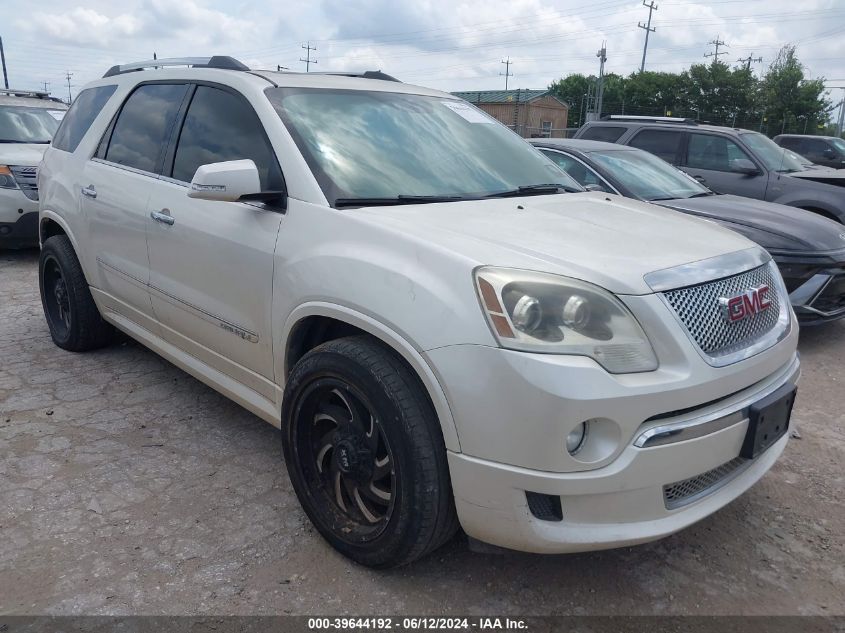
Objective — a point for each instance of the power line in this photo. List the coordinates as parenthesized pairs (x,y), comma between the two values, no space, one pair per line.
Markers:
(507,62)
(717,43)
(648,29)
(308,61)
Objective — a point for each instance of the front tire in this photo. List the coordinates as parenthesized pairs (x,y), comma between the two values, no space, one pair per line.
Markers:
(365,453)
(72,316)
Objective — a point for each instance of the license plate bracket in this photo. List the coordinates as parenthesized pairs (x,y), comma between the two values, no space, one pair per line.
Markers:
(768,420)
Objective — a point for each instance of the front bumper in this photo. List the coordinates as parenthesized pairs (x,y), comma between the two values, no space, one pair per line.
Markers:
(816,288)
(18,220)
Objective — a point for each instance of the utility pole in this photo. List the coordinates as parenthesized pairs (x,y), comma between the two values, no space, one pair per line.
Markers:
(507,62)
(840,125)
(602,55)
(46,86)
(717,43)
(68,75)
(3,58)
(308,61)
(748,61)
(648,29)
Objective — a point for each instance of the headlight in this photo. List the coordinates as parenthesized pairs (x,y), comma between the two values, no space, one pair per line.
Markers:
(7,180)
(539,312)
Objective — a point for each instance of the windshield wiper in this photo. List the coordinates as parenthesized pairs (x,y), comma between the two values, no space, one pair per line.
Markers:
(533,190)
(702,194)
(386,202)
(7,140)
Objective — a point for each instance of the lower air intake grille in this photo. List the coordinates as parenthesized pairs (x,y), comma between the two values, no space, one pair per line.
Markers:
(545,507)
(683,492)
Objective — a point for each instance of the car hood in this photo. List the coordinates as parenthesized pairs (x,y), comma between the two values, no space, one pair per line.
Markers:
(26,154)
(604,239)
(776,227)
(825,175)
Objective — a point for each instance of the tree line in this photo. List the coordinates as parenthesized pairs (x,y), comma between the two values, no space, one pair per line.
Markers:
(784,100)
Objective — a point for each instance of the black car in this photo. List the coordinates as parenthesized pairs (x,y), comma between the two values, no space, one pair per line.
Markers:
(809,249)
(821,150)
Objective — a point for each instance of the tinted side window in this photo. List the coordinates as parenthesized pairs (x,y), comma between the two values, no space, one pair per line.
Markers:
(580,172)
(662,143)
(81,115)
(221,126)
(712,152)
(606,133)
(791,143)
(144,125)
(816,146)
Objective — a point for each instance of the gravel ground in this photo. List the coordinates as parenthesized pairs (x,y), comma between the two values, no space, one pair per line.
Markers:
(128,487)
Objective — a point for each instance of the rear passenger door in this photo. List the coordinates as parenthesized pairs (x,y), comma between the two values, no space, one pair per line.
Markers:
(709,158)
(665,144)
(211,264)
(115,189)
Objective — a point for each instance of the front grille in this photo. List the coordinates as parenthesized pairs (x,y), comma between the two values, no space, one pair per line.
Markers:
(683,492)
(699,310)
(25,177)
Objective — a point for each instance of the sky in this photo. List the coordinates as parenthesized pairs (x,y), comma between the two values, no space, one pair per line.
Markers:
(445,44)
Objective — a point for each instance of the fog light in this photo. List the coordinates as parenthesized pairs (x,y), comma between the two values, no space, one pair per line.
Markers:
(527,313)
(575,440)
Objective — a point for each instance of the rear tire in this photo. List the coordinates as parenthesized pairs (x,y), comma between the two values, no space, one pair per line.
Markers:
(72,316)
(365,453)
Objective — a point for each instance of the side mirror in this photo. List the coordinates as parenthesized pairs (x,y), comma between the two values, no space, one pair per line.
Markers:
(744,166)
(226,182)
(595,187)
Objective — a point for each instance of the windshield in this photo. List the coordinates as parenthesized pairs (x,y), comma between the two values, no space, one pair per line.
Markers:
(21,124)
(382,145)
(771,154)
(839,144)
(647,176)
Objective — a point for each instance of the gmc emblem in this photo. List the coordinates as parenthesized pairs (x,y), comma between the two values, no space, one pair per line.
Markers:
(745,304)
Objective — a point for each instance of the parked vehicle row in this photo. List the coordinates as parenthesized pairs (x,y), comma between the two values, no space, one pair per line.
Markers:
(808,248)
(446,327)
(28,121)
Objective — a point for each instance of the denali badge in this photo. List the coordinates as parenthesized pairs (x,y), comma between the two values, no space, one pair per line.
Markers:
(746,304)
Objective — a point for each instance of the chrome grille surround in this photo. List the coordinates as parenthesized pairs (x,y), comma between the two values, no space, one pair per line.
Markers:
(684,492)
(26,176)
(719,341)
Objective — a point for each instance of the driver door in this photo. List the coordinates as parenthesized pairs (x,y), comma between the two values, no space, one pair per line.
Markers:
(708,159)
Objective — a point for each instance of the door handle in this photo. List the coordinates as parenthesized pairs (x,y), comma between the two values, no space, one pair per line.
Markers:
(89,191)
(162,216)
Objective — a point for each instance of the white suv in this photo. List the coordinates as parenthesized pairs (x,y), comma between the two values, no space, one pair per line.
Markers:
(28,120)
(446,328)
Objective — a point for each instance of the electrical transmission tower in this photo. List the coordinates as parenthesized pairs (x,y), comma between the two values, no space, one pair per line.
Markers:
(717,43)
(308,61)
(68,75)
(602,55)
(648,29)
(507,62)
(750,60)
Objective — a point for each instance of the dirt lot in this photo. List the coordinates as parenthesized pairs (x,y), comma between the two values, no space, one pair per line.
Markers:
(126,486)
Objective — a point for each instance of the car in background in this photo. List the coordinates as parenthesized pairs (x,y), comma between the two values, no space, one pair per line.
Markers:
(28,120)
(727,160)
(828,151)
(809,249)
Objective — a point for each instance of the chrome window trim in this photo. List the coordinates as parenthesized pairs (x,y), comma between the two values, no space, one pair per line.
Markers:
(698,426)
(594,172)
(706,270)
(133,170)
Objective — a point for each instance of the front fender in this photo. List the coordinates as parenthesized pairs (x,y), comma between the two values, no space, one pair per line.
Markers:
(389,337)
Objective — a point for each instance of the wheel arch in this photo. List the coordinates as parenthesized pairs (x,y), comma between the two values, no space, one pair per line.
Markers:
(314,323)
(50,224)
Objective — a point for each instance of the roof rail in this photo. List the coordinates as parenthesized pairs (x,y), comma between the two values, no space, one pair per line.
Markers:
(649,119)
(38,94)
(216,61)
(367,74)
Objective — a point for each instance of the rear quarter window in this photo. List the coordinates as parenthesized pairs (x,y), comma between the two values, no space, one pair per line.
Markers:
(81,115)
(606,133)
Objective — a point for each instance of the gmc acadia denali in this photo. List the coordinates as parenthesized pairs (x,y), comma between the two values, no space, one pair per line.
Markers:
(446,328)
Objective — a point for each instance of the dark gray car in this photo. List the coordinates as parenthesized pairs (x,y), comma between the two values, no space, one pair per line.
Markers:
(809,249)
(822,150)
(728,160)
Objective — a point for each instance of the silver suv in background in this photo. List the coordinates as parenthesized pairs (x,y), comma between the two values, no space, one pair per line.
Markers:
(727,160)
(28,121)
